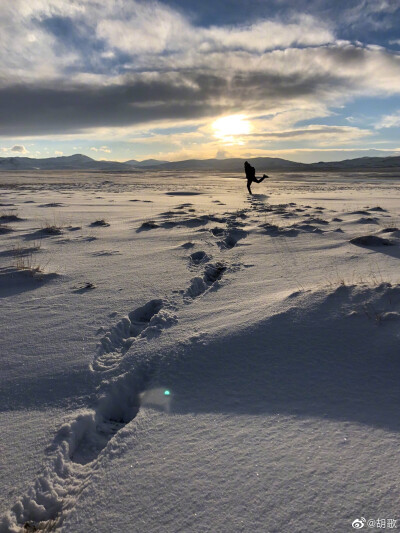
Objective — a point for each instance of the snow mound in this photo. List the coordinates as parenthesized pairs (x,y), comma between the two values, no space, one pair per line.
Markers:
(15,281)
(371,240)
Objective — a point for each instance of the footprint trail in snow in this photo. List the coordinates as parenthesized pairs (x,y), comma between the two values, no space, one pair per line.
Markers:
(79,445)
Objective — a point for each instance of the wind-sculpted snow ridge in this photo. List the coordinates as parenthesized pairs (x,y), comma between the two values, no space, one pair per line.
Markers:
(379,304)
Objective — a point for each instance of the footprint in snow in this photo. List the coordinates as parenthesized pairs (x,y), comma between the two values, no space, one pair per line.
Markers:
(143,322)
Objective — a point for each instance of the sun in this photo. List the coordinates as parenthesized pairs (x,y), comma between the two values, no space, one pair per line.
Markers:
(226,128)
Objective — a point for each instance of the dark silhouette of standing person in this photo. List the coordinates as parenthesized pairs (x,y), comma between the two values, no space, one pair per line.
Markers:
(251,176)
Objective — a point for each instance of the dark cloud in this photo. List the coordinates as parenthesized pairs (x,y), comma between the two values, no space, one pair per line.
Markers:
(30,110)
(36,110)
(266,89)
(314,131)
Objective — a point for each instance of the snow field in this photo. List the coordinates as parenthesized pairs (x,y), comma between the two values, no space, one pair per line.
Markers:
(274,336)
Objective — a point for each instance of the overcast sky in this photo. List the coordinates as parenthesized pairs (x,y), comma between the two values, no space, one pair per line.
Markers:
(306,80)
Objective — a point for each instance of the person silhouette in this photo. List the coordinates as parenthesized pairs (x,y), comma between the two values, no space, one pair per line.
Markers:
(251,175)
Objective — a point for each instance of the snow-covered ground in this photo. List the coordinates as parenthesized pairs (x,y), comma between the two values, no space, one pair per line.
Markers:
(179,357)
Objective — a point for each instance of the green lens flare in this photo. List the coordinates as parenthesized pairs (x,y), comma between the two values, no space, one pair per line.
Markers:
(166,392)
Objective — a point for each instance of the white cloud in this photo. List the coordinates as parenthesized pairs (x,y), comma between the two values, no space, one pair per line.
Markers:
(24,43)
(268,34)
(101,149)
(389,121)
(137,28)
(58,153)
(371,13)
(134,33)
(143,28)
(19,148)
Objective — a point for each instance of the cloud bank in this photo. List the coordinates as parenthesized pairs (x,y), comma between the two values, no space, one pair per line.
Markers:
(82,66)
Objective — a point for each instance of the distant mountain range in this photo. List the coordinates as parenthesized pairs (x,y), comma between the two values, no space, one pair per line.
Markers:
(145,163)
(72,162)
(262,164)
(233,164)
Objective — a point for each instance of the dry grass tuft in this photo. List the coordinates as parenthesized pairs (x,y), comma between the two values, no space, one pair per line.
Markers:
(24,259)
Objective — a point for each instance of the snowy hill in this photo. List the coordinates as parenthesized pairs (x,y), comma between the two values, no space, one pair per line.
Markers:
(146,163)
(359,163)
(233,164)
(73,162)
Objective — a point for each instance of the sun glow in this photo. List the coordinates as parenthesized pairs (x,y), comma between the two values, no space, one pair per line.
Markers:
(228,128)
